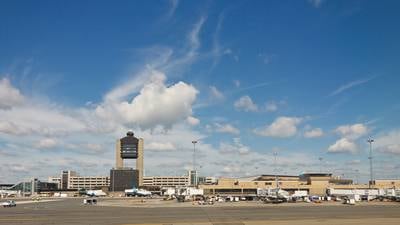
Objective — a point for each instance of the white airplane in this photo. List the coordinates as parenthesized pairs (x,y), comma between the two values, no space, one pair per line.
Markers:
(6,193)
(96,193)
(137,192)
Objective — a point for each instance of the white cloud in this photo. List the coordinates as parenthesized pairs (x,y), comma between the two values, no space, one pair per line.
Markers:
(350,85)
(236,83)
(215,93)
(316,3)
(155,105)
(353,162)
(226,128)
(246,104)
(313,133)
(173,6)
(193,121)
(271,106)
(236,147)
(343,145)
(158,146)
(349,134)
(44,120)
(354,131)
(94,147)
(388,142)
(8,127)
(46,143)
(282,127)
(131,86)
(9,95)
(231,169)
(267,57)
(391,149)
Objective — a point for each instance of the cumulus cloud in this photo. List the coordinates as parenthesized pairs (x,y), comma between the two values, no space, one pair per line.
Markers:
(226,128)
(313,133)
(352,131)
(388,143)
(155,105)
(343,145)
(349,135)
(46,143)
(8,127)
(193,121)
(282,127)
(236,147)
(245,103)
(9,95)
(158,146)
(47,120)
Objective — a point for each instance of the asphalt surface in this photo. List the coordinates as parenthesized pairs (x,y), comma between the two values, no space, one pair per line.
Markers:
(71,211)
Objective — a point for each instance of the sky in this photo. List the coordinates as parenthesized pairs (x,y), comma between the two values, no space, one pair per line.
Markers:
(310,80)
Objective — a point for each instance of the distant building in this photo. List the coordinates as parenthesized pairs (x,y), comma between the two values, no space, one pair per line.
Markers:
(177,181)
(71,180)
(65,178)
(34,186)
(193,177)
(55,180)
(314,183)
(166,181)
(5,186)
(386,183)
(207,180)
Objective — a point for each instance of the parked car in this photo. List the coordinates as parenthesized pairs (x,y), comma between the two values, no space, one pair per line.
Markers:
(8,204)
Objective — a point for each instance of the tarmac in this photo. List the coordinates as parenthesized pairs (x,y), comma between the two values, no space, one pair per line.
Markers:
(72,211)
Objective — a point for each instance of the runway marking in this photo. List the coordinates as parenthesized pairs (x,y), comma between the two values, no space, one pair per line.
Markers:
(386,221)
(20,219)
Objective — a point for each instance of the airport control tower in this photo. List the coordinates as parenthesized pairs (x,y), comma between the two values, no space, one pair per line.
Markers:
(128,147)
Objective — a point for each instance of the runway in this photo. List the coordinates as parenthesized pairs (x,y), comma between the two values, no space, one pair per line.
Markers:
(71,211)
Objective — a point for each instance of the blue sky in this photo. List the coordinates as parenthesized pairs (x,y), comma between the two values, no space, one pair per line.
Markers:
(306,79)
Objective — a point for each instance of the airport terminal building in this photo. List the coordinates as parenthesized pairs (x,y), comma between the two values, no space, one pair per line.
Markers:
(314,183)
(69,180)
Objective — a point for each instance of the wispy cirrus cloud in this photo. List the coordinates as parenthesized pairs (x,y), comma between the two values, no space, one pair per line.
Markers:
(173,5)
(316,3)
(350,85)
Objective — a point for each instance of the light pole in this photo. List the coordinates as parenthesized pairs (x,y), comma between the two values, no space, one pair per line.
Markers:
(370,141)
(194,154)
(275,170)
(194,142)
(357,171)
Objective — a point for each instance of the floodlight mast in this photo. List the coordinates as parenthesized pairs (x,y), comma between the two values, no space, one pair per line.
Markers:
(275,170)
(194,142)
(370,141)
(194,154)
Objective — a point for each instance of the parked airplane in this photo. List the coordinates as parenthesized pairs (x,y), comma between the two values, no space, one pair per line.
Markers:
(137,192)
(96,193)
